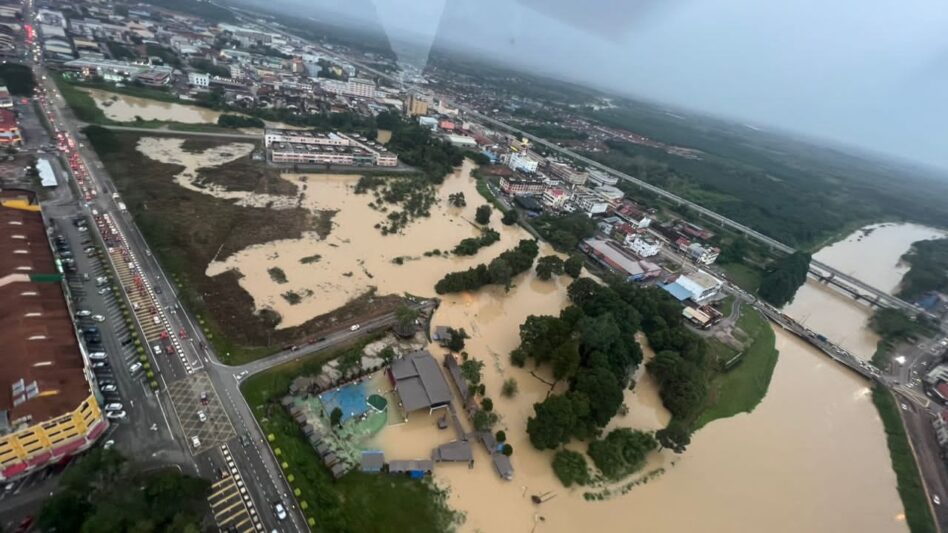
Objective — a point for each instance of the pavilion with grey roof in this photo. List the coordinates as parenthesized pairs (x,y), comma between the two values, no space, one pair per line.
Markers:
(419,382)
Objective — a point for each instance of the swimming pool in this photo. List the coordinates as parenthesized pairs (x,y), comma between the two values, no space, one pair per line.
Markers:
(351,399)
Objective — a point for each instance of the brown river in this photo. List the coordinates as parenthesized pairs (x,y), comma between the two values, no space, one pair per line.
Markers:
(811,457)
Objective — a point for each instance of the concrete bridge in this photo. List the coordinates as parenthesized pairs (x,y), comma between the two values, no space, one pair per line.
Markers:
(860,290)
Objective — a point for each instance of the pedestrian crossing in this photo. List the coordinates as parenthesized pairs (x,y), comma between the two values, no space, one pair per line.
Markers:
(230,502)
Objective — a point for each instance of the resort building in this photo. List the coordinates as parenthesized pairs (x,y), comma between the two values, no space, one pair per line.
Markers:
(419,382)
(48,410)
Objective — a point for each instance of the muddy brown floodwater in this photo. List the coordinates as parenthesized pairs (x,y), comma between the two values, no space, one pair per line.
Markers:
(124,108)
(811,457)
(872,254)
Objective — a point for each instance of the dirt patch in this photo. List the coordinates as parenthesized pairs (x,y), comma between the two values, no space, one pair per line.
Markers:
(247,175)
(187,230)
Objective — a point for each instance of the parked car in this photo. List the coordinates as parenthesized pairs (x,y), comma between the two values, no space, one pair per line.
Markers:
(355,327)
(83,313)
(116,406)
(98,318)
(115,415)
(108,387)
(97,356)
(195,441)
(135,367)
(104,290)
(99,364)
(202,416)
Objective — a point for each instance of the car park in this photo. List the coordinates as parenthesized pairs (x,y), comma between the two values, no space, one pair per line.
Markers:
(135,367)
(116,415)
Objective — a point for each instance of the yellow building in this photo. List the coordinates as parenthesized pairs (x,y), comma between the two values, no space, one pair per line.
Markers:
(415,106)
(47,408)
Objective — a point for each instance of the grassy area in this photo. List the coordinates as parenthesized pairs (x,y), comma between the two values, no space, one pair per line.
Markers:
(727,306)
(740,389)
(484,190)
(83,105)
(358,501)
(187,230)
(747,278)
(917,511)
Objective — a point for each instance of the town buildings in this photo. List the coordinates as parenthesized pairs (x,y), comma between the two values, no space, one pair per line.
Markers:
(48,410)
(304,147)
(644,246)
(518,184)
(700,287)
(523,161)
(354,87)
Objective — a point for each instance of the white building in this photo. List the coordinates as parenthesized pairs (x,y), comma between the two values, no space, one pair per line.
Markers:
(429,122)
(613,195)
(555,197)
(589,201)
(702,254)
(523,161)
(272,135)
(461,141)
(643,246)
(598,177)
(700,285)
(199,79)
(354,87)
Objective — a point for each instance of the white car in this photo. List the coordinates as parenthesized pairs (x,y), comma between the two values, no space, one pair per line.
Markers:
(202,417)
(280,511)
(114,406)
(354,327)
(97,356)
(83,313)
(936,499)
(108,387)
(104,290)
(115,415)
(135,368)
(98,318)
(195,441)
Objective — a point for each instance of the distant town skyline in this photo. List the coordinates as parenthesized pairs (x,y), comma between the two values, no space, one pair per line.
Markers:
(871,77)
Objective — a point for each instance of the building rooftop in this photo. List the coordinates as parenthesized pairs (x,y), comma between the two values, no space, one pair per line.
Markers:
(42,375)
(419,381)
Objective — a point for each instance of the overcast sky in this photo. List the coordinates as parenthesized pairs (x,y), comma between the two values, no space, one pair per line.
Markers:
(869,73)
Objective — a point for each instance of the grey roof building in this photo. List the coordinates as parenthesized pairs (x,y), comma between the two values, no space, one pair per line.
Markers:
(372,461)
(455,451)
(419,382)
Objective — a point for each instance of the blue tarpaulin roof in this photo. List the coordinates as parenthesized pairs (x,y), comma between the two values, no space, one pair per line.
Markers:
(676,290)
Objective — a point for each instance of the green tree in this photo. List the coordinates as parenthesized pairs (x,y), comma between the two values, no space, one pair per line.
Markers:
(573,266)
(507,449)
(621,452)
(482,215)
(487,404)
(565,360)
(604,391)
(405,316)
(675,436)
(335,417)
(509,389)
(484,420)
(782,279)
(549,266)
(511,216)
(457,199)
(501,436)
(570,467)
(557,419)
(500,272)
(471,370)
(456,339)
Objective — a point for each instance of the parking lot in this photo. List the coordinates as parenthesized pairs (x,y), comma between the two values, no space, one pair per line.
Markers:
(193,396)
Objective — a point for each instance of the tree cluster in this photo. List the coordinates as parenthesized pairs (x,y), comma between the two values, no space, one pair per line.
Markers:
(101,492)
(416,146)
(239,121)
(929,269)
(471,245)
(783,277)
(592,345)
(570,467)
(500,271)
(564,232)
(621,452)
(510,217)
(482,215)
(549,266)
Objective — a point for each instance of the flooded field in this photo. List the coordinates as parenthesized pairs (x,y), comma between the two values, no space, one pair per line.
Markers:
(811,457)
(124,108)
(872,254)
